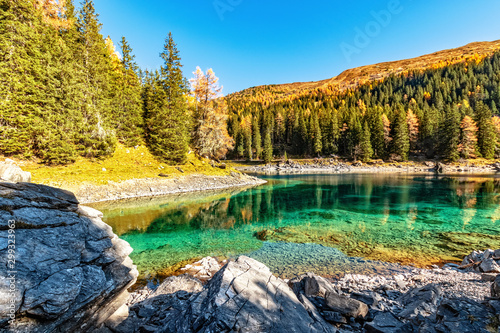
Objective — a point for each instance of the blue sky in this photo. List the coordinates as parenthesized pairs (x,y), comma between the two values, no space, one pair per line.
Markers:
(255,42)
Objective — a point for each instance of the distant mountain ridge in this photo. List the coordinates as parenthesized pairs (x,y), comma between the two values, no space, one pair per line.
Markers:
(354,77)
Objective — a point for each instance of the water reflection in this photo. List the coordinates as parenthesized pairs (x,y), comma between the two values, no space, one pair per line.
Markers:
(395,218)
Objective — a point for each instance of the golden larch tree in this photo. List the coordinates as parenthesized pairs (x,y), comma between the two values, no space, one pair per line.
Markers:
(413,128)
(53,12)
(210,134)
(387,129)
(468,140)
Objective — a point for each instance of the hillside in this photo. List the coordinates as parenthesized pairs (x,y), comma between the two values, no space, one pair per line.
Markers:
(440,105)
(352,78)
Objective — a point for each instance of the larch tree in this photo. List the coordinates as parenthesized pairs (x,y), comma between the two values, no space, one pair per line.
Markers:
(468,139)
(413,128)
(496,124)
(210,135)
(387,131)
(486,137)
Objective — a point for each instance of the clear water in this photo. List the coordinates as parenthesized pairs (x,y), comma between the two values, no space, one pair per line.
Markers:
(329,224)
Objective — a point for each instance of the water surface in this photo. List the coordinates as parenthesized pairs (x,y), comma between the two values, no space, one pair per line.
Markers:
(329,224)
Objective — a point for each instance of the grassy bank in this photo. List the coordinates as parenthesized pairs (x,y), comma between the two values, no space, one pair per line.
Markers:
(124,164)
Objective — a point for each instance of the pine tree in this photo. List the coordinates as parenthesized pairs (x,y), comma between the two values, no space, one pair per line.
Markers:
(267,153)
(365,144)
(486,138)
(166,108)
(401,141)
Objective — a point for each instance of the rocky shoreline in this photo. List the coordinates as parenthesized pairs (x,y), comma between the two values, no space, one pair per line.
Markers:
(334,166)
(150,187)
(244,296)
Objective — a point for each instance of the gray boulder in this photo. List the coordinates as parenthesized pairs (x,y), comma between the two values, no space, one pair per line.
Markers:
(10,172)
(420,301)
(311,285)
(464,315)
(495,287)
(68,271)
(244,296)
(346,306)
(384,322)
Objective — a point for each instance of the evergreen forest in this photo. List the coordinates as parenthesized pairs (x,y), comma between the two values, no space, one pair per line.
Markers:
(66,92)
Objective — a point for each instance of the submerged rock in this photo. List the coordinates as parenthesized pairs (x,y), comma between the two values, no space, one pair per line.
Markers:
(68,271)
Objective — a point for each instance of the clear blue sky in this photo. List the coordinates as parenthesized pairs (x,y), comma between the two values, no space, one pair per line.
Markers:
(255,42)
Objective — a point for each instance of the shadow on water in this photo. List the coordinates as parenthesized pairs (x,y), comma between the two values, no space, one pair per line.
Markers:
(388,217)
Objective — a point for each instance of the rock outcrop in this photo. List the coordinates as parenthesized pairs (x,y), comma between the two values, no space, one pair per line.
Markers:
(487,261)
(63,270)
(244,296)
(10,172)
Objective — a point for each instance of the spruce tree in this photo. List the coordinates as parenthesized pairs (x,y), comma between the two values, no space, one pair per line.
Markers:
(450,134)
(167,110)
(377,134)
(247,132)
(317,139)
(401,140)
(365,143)
(486,137)
(96,137)
(21,73)
(267,153)
(257,141)
(126,95)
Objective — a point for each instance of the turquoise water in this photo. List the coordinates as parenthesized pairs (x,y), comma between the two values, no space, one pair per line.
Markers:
(326,223)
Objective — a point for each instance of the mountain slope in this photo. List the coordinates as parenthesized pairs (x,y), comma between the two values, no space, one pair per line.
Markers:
(352,78)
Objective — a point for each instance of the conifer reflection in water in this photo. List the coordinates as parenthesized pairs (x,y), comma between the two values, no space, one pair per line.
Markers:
(393,218)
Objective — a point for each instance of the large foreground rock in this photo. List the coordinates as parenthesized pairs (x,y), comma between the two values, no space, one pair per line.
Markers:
(244,296)
(10,172)
(67,272)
